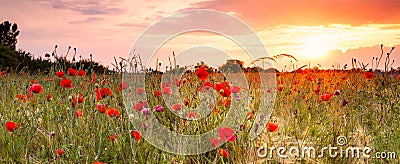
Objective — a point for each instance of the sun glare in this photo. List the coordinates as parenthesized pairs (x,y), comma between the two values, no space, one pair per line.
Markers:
(315,46)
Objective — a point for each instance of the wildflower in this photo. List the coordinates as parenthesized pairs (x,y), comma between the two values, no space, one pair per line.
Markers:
(157,93)
(112,137)
(49,97)
(238,98)
(186,102)
(235,89)
(272,127)
(97,162)
(398,77)
(139,106)
(78,113)
(158,108)
(59,152)
(11,126)
(223,153)
(214,142)
(102,93)
(136,134)
(192,115)
(326,97)
(101,108)
(202,73)
(369,75)
(112,112)
(72,72)
(20,97)
(122,86)
(36,88)
(60,74)
(66,83)
(337,92)
(280,88)
(176,107)
(226,134)
(52,134)
(2,73)
(81,73)
(146,111)
(166,90)
(140,91)
(344,103)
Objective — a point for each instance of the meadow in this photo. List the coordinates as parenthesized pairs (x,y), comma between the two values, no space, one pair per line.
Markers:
(73,116)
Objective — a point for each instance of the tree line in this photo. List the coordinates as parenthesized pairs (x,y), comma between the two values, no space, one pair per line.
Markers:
(15,60)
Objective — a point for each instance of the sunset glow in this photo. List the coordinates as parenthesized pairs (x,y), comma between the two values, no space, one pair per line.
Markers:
(319,32)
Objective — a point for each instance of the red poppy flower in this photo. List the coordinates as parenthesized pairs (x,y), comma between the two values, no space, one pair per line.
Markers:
(140,91)
(101,108)
(235,89)
(29,95)
(59,151)
(11,126)
(98,162)
(66,83)
(192,115)
(280,88)
(20,97)
(81,73)
(226,133)
(214,142)
(166,90)
(223,153)
(72,72)
(78,113)
(102,93)
(369,75)
(123,86)
(47,55)
(49,97)
(60,74)
(135,134)
(202,73)
(36,88)
(112,137)
(112,112)
(2,73)
(272,127)
(177,107)
(157,93)
(139,106)
(398,77)
(326,97)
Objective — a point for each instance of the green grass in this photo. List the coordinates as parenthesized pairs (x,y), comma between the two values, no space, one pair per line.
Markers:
(371,118)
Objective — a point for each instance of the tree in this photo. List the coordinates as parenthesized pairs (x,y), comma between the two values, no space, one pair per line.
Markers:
(8,34)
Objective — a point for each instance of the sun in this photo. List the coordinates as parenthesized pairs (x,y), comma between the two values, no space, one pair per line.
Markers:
(315,46)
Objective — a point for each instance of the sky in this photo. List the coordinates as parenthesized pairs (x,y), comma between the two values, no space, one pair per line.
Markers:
(317,32)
